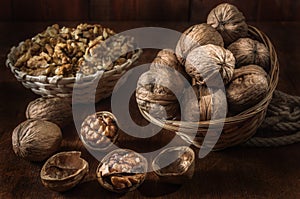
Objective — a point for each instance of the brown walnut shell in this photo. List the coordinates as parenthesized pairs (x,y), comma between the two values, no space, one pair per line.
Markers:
(36,140)
(52,109)
(99,131)
(229,22)
(248,51)
(194,36)
(122,170)
(248,87)
(207,63)
(154,93)
(175,164)
(64,171)
(211,104)
(168,58)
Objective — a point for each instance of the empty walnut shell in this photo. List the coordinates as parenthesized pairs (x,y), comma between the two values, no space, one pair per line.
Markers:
(194,36)
(248,51)
(249,86)
(64,171)
(154,93)
(175,164)
(52,109)
(229,21)
(211,104)
(36,140)
(168,58)
(99,131)
(207,63)
(122,170)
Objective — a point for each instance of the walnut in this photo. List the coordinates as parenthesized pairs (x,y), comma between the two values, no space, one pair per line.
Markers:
(229,21)
(52,109)
(122,170)
(99,131)
(206,63)
(63,171)
(248,87)
(211,104)
(154,93)
(36,140)
(248,51)
(195,36)
(167,58)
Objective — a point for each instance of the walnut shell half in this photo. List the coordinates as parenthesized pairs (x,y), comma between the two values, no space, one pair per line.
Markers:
(248,51)
(194,36)
(63,171)
(206,63)
(229,21)
(249,86)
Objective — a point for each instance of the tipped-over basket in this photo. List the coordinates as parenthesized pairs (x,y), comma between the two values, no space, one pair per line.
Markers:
(59,86)
(237,129)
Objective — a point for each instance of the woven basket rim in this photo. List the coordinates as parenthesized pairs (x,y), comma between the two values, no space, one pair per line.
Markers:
(66,80)
(262,105)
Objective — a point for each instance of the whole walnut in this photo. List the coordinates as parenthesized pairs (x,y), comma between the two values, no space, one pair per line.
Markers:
(229,21)
(194,36)
(167,58)
(154,93)
(248,86)
(248,51)
(207,63)
(210,104)
(52,109)
(36,140)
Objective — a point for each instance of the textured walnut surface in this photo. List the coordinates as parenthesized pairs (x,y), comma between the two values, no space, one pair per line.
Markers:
(249,86)
(209,63)
(248,51)
(194,36)
(36,140)
(229,22)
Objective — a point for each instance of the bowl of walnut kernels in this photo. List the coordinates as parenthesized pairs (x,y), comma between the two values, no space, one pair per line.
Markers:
(53,61)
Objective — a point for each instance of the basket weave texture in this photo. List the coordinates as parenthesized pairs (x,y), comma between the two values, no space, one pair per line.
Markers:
(237,129)
(59,86)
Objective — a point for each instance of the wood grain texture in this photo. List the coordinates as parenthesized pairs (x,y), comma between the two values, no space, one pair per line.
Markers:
(51,10)
(100,10)
(238,172)
(156,10)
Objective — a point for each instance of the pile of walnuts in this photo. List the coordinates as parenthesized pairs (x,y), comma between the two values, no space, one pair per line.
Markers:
(65,51)
(225,66)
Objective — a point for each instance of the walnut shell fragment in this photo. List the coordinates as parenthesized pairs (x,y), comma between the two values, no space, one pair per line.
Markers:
(36,140)
(64,171)
(248,51)
(229,22)
(122,170)
(211,104)
(208,63)
(52,109)
(154,93)
(195,36)
(249,86)
(175,164)
(99,131)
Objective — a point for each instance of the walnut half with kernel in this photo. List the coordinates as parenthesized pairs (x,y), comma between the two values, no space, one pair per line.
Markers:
(122,170)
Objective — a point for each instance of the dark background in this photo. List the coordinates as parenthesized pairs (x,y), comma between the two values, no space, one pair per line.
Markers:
(150,10)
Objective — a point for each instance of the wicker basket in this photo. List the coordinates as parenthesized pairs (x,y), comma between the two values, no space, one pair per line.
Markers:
(236,129)
(63,86)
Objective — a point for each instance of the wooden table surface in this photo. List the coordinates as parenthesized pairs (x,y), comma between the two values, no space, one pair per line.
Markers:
(237,172)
